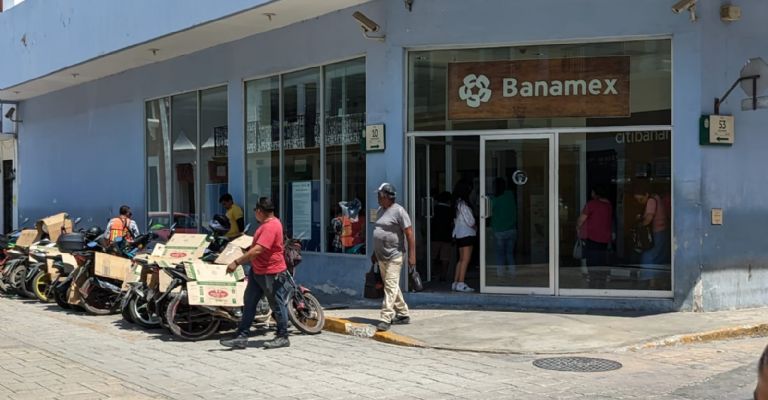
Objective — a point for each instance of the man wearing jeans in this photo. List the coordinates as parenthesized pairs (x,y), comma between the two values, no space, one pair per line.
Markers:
(392,227)
(266,276)
(504,225)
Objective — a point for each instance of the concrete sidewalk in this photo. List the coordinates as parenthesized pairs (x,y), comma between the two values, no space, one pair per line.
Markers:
(542,333)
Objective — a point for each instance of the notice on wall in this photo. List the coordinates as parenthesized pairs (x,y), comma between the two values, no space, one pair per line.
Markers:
(545,88)
(301,193)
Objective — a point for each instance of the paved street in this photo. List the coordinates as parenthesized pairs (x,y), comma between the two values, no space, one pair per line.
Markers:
(47,353)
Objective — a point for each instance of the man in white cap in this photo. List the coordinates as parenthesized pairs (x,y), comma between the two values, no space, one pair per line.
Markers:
(392,228)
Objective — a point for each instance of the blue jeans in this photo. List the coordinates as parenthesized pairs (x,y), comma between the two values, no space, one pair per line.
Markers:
(656,255)
(276,288)
(505,247)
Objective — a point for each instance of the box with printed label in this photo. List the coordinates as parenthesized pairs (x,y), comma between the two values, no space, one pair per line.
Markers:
(181,247)
(221,294)
(204,272)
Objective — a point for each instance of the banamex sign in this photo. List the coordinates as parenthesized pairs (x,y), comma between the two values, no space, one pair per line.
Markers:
(564,87)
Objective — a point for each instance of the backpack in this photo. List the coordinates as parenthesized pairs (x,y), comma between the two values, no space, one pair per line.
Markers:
(292,253)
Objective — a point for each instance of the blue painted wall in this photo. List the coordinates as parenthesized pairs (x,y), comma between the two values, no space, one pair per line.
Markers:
(67,136)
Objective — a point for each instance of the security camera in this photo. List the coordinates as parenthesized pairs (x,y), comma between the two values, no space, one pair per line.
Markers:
(366,23)
(11,112)
(368,26)
(683,5)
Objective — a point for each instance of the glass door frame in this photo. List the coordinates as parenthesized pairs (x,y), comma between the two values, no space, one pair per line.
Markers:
(552,207)
(412,202)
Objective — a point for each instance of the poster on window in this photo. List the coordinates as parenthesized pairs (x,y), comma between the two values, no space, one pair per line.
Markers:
(302,210)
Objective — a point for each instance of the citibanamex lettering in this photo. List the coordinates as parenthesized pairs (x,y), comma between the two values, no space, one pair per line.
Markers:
(589,87)
(642,137)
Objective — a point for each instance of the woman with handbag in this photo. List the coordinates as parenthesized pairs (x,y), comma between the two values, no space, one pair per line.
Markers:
(654,218)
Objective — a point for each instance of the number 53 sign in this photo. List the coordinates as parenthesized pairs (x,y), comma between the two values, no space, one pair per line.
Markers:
(374,138)
(716,129)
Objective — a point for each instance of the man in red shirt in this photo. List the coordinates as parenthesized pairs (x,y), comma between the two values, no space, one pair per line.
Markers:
(267,276)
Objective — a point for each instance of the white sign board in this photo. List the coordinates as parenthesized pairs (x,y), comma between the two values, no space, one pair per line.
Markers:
(302,210)
(374,138)
(721,129)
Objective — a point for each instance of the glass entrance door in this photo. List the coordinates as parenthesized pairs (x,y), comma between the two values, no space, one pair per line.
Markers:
(517,184)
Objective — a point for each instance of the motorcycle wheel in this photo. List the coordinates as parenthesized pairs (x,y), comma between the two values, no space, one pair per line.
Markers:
(189,322)
(125,311)
(40,286)
(28,288)
(101,302)
(16,280)
(60,296)
(140,314)
(306,313)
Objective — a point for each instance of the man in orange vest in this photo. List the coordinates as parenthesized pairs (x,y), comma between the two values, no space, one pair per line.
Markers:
(122,226)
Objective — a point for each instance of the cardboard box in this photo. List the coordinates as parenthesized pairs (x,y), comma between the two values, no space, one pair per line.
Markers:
(204,272)
(53,273)
(132,275)
(53,225)
(231,253)
(181,247)
(243,241)
(26,238)
(221,294)
(163,281)
(109,266)
(74,296)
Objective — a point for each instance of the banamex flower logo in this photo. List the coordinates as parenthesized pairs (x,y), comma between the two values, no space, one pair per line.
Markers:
(467,90)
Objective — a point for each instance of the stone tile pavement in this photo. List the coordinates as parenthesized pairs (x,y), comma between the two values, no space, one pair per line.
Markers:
(46,353)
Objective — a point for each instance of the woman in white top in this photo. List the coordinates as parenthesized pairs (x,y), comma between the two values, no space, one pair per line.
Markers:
(464,231)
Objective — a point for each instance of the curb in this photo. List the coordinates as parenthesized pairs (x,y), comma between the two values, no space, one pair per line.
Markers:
(703,337)
(347,327)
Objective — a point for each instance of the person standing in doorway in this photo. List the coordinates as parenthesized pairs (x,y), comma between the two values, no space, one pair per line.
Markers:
(594,227)
(391,231)
(234,215)
(464,231)
(442,226)
(267,275)
(504,225)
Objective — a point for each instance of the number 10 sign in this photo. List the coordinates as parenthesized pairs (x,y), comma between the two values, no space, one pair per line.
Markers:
(374,138)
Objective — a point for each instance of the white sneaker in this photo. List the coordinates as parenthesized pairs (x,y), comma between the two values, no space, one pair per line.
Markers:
(462,287)
(453,286)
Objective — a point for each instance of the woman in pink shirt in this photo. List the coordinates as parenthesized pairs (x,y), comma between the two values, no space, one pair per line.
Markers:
(655,216)
(594,226)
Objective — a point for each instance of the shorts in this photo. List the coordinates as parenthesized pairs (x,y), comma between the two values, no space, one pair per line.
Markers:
(465,241)
(441,250)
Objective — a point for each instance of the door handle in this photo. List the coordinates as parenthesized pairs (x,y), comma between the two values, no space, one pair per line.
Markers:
(487,206)
(431,207)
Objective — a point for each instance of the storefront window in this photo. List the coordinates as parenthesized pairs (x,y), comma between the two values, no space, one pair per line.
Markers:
(301,144)
(262,163)
(566,85)
(158,131)
(214,141)
(615,197)
(184,145)
(345,161)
